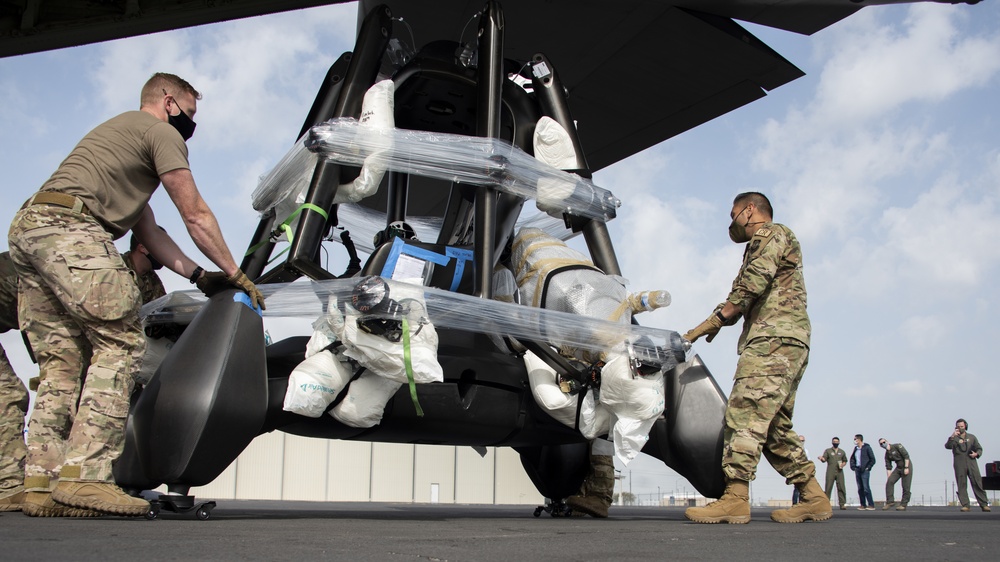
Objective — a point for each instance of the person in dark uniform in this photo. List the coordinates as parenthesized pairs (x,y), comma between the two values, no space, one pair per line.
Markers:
(835,459)
(895,453)
(967,450)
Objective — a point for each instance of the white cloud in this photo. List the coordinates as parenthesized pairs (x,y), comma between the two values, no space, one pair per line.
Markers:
(876,67)
(255,74)
(944,236)
(834,154)
(908,387)
(922,332)
(866,391)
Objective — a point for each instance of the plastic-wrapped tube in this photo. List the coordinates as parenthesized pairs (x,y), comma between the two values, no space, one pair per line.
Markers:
(303,299)
(464,159)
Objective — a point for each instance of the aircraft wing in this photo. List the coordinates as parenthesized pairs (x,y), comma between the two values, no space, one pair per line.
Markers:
(638,71)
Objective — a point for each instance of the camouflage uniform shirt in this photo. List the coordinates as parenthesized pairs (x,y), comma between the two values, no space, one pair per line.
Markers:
(8,294)
(149,284)
(770,289)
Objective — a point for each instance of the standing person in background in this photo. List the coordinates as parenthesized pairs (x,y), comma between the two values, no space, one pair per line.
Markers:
(769,292)
(862,461)
(78,302)
(896,453)
(967,450)
(835,459)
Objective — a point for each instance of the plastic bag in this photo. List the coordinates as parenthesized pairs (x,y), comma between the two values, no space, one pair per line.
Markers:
(315,383)
(365,401)
(636,402)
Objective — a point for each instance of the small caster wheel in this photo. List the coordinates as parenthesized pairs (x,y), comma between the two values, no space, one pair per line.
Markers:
(151,514)
(538,511)
(203,514)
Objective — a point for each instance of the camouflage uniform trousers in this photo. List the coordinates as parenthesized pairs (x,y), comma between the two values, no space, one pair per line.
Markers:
(759,412)
(79,305)
(13,407)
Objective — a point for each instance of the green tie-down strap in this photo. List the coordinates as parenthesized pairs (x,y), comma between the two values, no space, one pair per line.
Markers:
(409,367)
(286,229)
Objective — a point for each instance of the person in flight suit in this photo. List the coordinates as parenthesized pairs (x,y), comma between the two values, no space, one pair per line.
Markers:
(835,459)
(967,450)
(896,453)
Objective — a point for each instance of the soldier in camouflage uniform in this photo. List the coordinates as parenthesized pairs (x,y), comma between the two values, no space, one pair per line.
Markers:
(79,304)
(13,399)
(13,394)
(769,292)
(144,266)
(896,453)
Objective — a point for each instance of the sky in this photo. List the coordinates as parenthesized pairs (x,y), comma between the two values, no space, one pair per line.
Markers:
(884,160)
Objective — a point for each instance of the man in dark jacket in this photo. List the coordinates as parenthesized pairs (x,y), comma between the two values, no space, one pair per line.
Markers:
(862,461)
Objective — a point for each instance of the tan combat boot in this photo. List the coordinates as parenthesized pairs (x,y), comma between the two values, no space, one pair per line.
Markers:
(595,494)
(105,497)
(38,501)
(813,505)
(732,507)
(11,499)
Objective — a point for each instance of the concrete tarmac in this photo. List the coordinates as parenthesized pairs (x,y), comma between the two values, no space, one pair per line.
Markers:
(273,530)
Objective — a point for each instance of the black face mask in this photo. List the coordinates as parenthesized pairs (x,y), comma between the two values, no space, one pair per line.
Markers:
(835,445)
(153,263)
(184,125)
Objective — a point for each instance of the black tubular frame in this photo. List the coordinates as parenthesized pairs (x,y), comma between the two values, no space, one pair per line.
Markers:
(493,213)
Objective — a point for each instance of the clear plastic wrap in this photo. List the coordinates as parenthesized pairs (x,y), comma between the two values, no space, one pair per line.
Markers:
(363,222)
(305,299)
(284,187)
(465,159)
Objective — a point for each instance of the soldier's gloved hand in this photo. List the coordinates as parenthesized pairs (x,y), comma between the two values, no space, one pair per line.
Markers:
(710,327)
(240,279)
(212,282)
(732,321)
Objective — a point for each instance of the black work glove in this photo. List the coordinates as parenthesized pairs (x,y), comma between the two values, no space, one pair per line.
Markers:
(213,282)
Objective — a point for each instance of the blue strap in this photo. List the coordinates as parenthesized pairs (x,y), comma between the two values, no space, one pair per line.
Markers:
(399,246)
(462,256)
